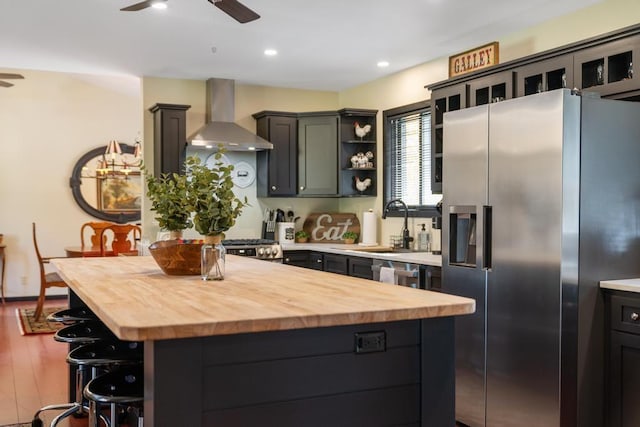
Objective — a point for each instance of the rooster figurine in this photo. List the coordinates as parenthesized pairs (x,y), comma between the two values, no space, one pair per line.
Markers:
(362,184)
(362,131)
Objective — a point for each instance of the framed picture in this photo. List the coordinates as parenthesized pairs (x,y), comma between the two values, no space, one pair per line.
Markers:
(120,194)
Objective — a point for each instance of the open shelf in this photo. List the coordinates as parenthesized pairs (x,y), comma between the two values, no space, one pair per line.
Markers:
(350,146)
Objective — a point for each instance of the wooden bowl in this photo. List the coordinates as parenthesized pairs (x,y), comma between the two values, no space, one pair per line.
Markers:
(176,258)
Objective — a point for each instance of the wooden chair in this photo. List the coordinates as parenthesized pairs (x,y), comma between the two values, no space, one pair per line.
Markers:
(47,280)
(124,241)
(97,227)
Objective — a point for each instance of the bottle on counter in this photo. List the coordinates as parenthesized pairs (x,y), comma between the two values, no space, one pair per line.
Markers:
(423,239)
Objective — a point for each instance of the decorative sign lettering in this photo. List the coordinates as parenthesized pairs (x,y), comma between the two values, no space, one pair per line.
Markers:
(473,60)
(329,227)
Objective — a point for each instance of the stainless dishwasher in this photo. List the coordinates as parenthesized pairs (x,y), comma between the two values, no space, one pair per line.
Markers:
(405,274)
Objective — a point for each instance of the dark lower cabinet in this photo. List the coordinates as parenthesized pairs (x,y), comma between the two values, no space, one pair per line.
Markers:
(354,266)
(338,264)
(343,264)
(624,359)
(316,260)
(625,380)
(297,258)
(360,267)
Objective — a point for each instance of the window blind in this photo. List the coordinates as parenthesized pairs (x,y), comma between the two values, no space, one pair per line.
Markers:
(409,154)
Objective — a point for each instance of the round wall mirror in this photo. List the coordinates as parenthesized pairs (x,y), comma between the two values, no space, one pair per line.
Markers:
(108,188)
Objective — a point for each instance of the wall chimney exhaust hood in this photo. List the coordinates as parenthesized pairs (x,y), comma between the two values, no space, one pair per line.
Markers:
(220,127)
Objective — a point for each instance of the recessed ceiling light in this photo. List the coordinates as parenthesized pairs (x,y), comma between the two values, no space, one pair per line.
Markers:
(383,64)
(270,52)
(159,5)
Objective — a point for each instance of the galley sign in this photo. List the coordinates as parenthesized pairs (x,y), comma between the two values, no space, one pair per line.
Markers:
(474,59)
(329,227)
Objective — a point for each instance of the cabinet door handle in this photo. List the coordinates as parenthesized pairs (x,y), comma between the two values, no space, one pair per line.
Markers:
(634,316)
(302,187)
(273,188)
(319,260)
(287,260)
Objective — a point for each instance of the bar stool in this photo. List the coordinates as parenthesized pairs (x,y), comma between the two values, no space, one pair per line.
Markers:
(122,386)
(85,332)
(72,315)
(106,356)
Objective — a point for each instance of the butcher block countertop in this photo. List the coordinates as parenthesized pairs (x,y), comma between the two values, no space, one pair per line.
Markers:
(138,302)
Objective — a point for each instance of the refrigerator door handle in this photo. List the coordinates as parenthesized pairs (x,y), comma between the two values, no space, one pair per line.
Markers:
(487,212)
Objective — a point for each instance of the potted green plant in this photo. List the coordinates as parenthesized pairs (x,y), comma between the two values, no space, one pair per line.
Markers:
(169,200)
(349,237)
(215,208)
(302,236)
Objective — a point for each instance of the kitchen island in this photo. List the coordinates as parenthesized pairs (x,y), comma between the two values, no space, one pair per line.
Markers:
(277,345)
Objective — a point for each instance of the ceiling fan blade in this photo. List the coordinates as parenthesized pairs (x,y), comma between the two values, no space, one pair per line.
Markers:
(138,6)
(236,10)
(11,76)
(5,84)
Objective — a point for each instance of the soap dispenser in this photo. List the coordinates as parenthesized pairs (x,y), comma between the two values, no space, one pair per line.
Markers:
(423,239)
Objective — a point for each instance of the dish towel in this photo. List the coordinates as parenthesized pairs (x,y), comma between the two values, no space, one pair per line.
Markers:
(388,275)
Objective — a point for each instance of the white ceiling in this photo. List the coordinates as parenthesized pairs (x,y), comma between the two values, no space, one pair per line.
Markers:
(322,44)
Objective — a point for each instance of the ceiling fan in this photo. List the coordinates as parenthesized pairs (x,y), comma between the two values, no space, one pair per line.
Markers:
(9,76)
(233,8)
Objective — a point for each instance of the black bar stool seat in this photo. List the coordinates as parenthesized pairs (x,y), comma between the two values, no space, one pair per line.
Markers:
(124,385)
(84,333)
(72,315)
(107,354)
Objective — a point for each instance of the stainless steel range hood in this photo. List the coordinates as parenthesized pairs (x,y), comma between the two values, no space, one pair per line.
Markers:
(220,127)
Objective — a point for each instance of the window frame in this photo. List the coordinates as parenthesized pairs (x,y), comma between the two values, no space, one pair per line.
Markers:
(422,211)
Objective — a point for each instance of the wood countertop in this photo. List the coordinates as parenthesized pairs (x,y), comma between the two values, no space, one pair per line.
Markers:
(138,302)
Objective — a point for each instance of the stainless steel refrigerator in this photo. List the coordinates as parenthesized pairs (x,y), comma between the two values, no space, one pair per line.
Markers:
(541,202)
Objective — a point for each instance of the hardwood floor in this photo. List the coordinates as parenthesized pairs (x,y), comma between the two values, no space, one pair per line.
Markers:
(33,371)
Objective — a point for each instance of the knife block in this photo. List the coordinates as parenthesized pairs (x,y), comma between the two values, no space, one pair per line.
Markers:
(269,230)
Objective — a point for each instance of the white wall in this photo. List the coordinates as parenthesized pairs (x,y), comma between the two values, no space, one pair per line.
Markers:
(48,121)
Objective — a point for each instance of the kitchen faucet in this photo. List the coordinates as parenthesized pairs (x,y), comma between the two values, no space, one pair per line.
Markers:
(406,239)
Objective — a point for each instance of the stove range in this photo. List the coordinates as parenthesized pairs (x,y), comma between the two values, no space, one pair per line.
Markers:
(264,249)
